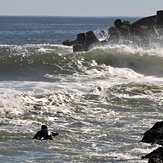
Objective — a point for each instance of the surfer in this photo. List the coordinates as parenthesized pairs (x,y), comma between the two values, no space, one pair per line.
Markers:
(44,134)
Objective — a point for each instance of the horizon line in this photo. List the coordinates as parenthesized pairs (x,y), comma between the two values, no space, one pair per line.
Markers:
(68,15)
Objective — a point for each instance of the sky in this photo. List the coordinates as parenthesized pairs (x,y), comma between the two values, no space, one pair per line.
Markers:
(80,7)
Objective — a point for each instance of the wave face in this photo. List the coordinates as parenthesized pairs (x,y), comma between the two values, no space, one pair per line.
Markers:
(35,62)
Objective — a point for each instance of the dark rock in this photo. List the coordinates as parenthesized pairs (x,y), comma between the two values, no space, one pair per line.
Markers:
(157,125)
(155,156)
(114,35)
(123,28)
(143,33)
(154,135)
(103,34)
(78,48)
(83,42)
(81,39)
(159,18)
(155,160)
(69,43)
(146,21)
(154,153)
(117,23)
(91,40)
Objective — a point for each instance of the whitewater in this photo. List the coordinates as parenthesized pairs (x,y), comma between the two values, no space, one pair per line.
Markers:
(100,102)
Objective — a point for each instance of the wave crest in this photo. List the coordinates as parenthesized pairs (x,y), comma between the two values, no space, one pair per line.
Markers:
(35,62)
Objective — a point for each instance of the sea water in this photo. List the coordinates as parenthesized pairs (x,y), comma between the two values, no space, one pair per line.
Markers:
(100,102)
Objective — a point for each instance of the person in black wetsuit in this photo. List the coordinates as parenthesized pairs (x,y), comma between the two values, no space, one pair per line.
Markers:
(43,134)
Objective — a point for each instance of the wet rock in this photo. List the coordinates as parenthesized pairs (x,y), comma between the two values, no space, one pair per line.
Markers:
(159,18)
(114,35)
(155,160)
(154,135)
(123,27)
(155,153)
(69,43)
(78,48)
(91,40)
(81,39)
(84,41)
(155,156)
(144,32)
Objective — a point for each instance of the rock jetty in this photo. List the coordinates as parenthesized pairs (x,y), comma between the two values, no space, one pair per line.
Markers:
(144,32)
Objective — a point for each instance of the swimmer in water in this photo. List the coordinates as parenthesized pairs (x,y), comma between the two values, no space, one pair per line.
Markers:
(43,134)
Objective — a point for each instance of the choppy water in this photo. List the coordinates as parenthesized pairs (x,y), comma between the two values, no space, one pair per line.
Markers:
(101,101)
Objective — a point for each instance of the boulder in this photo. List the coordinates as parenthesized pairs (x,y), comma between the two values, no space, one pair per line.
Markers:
(84,41)
(155,156)
(91,40)
(69,43)
(154,135)
(78,48)
(159,18)
(81,39)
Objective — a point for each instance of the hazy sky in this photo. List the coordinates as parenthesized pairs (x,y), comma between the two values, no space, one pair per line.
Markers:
(80,7)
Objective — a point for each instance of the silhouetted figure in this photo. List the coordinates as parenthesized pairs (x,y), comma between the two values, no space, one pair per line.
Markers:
(43,134)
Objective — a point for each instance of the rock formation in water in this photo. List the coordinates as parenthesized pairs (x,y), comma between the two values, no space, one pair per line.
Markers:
(142,33)
(154,136)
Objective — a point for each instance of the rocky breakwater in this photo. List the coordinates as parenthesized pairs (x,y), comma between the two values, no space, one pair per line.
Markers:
(143,32)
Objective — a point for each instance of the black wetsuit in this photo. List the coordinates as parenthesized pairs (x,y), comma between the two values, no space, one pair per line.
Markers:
(42,135)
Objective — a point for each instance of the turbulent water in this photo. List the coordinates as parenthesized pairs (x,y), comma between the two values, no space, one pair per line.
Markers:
(101,102)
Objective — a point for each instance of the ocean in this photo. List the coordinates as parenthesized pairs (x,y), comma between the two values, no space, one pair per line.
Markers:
(100,102)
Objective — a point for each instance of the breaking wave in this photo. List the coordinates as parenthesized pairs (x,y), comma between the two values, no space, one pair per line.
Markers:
(37,62)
